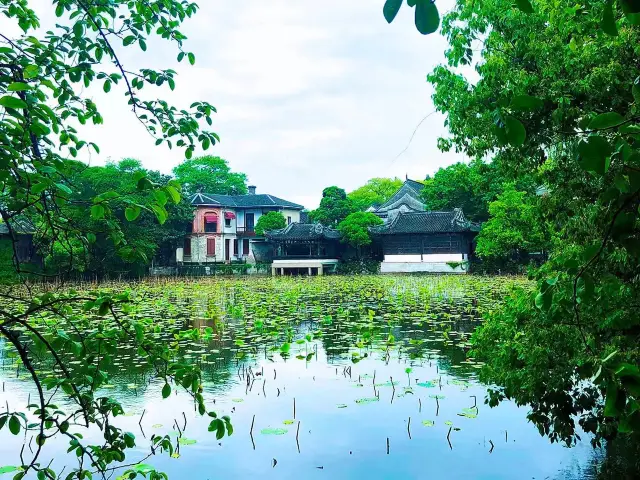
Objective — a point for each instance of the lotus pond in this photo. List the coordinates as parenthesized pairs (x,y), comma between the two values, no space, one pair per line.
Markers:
(323,377)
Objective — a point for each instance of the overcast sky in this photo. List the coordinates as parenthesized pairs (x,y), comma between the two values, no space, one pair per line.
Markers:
(309,94)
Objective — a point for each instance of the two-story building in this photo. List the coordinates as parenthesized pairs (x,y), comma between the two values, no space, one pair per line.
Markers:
(224,225)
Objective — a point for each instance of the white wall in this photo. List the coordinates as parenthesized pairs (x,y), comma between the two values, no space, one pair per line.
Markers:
(430,258)
(294,214)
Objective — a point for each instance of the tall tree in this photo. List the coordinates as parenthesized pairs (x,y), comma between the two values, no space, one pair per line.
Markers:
(375,192)
(355,229)
(44,80)
(516,227)
(210,174)
(146,238)
(557,95)
(334,207)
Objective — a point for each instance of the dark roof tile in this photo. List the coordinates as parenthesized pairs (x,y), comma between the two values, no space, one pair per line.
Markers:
(304,231)
(243,201)
(426,222)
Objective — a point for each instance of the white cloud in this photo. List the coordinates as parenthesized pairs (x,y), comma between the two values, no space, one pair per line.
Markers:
(309,94)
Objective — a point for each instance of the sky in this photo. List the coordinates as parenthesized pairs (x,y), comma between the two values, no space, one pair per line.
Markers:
(308,94)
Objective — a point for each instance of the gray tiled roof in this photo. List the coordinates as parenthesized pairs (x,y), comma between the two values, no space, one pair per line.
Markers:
(243,201)
(426,222)
(304,231)
(20,226)
(408,194)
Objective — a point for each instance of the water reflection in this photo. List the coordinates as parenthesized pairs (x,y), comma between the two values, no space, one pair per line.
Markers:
(377,369)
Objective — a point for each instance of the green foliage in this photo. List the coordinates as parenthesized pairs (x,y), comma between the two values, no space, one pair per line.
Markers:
(44,79)
(360,266)
(145,237)
(470,187)
(355,228)
(516,227)
(270,221)
(557,99)
(334,207)
(209,174)
(375,192)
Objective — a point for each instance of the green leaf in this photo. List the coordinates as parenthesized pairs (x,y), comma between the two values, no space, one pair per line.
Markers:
(608,23)
(14,424)
(427,18)
(606,120)
(524,5)
(594,154)
(173,193)
(611,398)
(391,9)
(78,29)
(64,188)
(635,90)
(526,102)
(18,87)
(12,102)
(9,469)
(161,213)
(129,40)
(166,390)
(192,58)
(107,86)
(143,45)
(516,134)
(97,212)
(132,212)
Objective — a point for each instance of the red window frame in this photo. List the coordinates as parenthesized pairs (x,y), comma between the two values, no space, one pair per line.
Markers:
(211,247)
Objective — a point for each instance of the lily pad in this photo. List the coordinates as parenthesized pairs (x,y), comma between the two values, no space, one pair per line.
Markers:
(288,422)
(362,401)
(426,384)
(237,400)
(187,441)
(273,431)
(156,425)
(428,423)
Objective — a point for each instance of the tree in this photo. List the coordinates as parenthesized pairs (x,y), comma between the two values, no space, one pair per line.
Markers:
(44,76)
(470,187)
(355,229)
(145,237)
(209,174)
(270,221)
(334,207)
(515,228)
(557,95)
(375,192)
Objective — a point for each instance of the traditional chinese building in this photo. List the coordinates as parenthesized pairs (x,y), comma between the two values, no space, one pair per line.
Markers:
(416,240)
(305,248)
(224,225)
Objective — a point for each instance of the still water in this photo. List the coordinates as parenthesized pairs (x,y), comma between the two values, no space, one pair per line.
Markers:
(335,377)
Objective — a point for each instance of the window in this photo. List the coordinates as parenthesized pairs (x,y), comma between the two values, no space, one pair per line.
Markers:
(249,221)
(288,220)
(227,222)
(235,246)
(211,247)
(245,246)
(187,247)
(211,227)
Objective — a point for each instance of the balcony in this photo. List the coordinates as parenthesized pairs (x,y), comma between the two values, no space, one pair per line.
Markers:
(246,231)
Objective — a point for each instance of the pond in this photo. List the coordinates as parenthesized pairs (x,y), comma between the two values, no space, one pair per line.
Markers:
(323,377)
